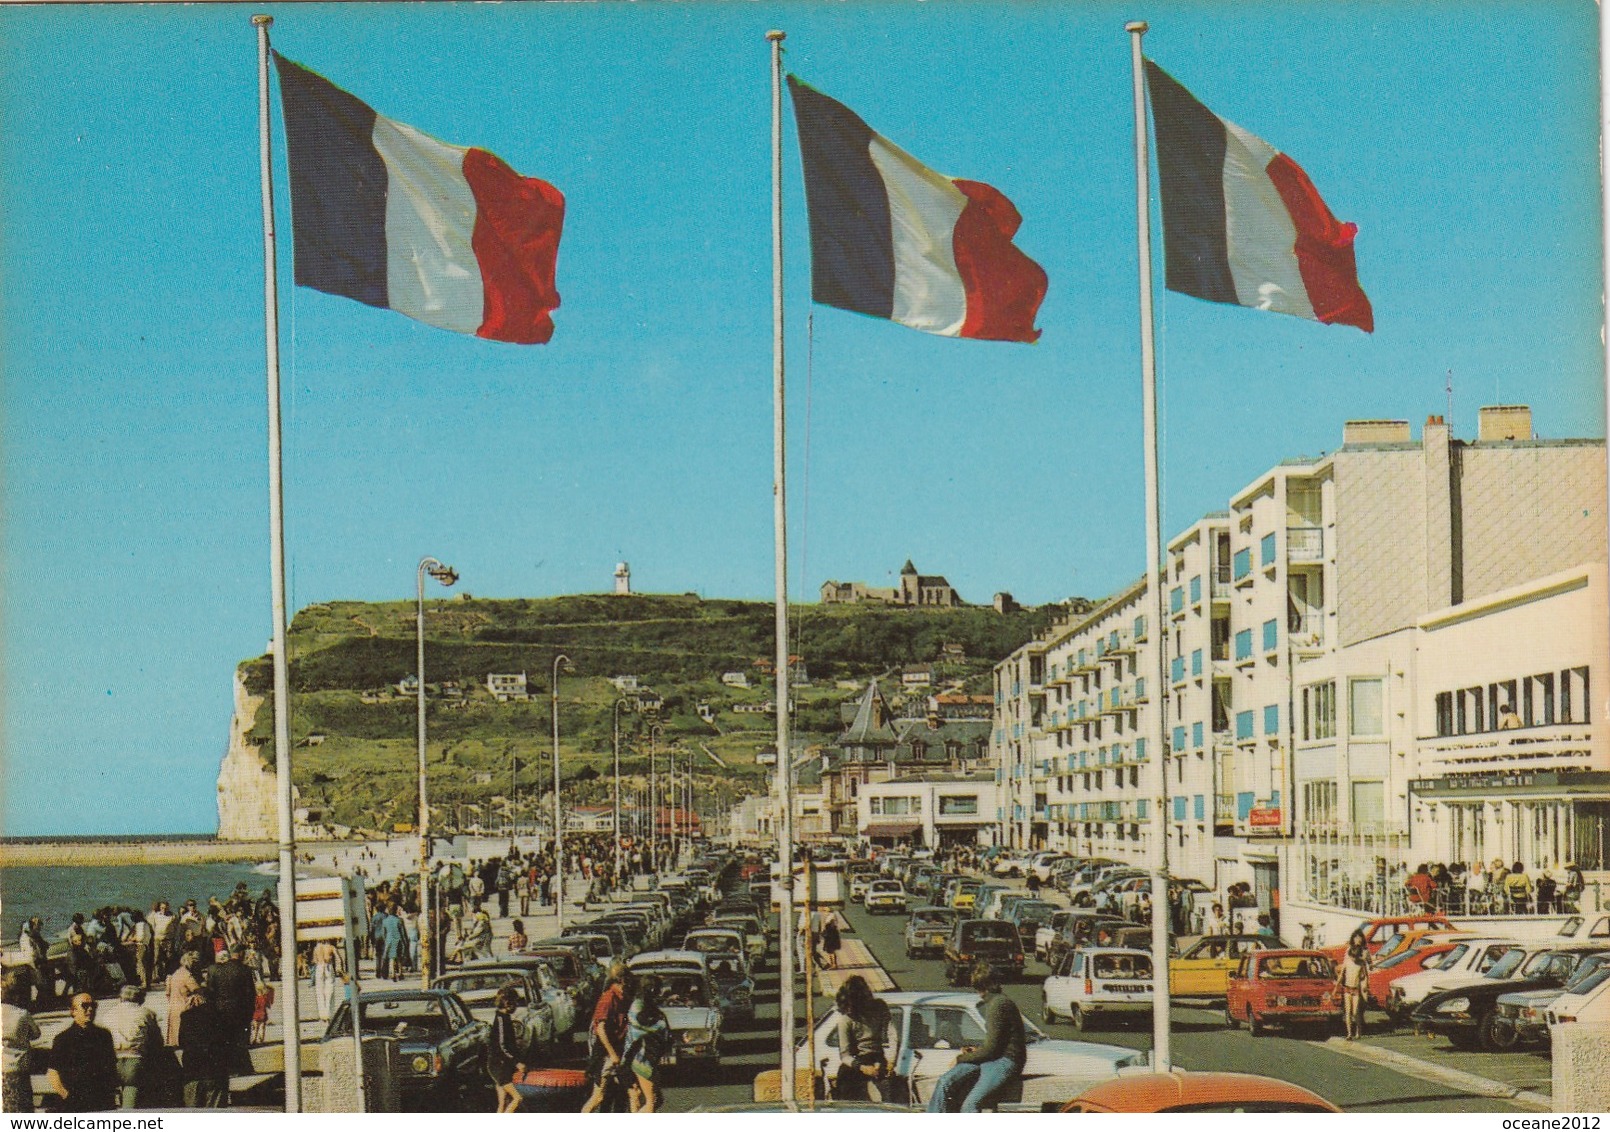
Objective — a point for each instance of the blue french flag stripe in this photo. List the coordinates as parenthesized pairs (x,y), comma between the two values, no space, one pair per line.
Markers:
(338,187)
(852,238)
(1191,146)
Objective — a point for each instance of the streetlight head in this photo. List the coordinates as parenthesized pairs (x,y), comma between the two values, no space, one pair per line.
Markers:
(446,575)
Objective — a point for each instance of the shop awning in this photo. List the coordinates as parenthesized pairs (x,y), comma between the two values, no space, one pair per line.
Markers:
(893,829)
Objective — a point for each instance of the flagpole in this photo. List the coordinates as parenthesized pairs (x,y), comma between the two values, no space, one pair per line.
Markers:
(289,1013)
(1162,1058)
(785,769)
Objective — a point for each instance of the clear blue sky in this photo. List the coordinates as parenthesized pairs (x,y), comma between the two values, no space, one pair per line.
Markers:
(1461,138)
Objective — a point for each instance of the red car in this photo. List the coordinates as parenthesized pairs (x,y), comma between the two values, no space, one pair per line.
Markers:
(1382,928)
(1405,963)
(1283,988)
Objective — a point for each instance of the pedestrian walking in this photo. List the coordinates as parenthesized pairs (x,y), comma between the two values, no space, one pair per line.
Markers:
(326,978)
(608,1034)
(83,1064)
(205,1052)
(982,1072)
(505,1055)
(1352,977)
(648,1037)
(233,993)
(830,941)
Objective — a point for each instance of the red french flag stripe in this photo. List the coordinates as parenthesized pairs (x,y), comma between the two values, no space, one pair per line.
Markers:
(1323,248)
(1004,287)
(518,223)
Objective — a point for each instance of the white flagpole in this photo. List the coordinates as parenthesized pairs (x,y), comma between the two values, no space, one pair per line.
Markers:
(289,1013)
(785,769)
(1162,1059)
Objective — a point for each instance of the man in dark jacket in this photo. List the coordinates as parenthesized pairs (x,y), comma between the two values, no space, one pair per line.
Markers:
(233,993)
(983,1072)
(83,1062)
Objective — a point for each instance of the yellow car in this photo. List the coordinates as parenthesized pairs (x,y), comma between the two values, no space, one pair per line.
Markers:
(966,895)
(1205,970)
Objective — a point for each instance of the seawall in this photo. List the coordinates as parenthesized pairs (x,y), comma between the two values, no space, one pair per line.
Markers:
(114,852)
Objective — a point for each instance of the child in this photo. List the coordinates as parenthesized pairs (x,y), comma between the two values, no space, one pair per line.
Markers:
(265,999)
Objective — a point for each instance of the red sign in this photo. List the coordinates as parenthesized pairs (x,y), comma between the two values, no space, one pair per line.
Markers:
(1264,817)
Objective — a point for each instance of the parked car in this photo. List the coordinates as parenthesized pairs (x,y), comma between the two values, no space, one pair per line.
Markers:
(1581,1005)
(886,896)
(689,1001)
(734,985)
(1525,1013)
(561,1000)
(1379,930)
(1283,988)
(1205,970)
(1401,965)
(927,930)
(1468,1015)
(754,935)
(1467,962)
(440,1046)
(1182,1091)
(988,941)
(928,1030)
(477,987)
(859,882)
(571,974)
(964,894)
(1027,917)
(1098,983)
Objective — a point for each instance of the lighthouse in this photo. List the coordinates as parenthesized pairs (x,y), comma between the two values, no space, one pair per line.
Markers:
(623,578)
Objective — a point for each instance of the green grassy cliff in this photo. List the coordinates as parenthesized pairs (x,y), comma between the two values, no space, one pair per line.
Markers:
(355,760)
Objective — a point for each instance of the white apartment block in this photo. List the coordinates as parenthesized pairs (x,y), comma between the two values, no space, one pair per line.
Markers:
(1337,644)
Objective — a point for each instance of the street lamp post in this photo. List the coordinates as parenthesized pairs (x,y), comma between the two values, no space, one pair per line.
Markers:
(558,819)
(617,804)
(653,802)
(446,575)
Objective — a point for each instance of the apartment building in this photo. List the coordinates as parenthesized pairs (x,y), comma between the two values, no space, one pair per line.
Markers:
(1327,640)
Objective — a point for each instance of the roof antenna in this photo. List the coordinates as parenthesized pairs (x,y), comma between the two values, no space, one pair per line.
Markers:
(1450,398)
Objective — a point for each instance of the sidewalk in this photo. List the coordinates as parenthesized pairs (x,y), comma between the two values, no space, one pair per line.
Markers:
(1526,1077)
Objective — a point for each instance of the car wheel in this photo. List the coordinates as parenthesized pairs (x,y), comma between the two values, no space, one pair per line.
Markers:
(1493,1037)
(1255,1025)
(1230,1020)
(1080,1020)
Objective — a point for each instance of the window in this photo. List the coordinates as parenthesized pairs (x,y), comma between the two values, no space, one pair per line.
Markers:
(1271,634)
(1267,549)
(1319,711)
(1271,719)
(950,804)
(1179,739)
(1196,662)
(1369,803)
(1176,599)
(1364,707)
(1243,564)
(1243,725)
(1196,735)
(1444,713)
(1243,645)
(1196,590)
(1319,802)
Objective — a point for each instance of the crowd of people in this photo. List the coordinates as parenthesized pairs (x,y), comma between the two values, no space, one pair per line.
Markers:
(1495,889)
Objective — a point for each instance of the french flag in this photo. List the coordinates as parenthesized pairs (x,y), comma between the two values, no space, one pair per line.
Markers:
(384,214)
(1242,223)
(893,239)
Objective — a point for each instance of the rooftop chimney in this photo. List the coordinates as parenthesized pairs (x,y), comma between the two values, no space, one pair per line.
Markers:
(1375,432)
(1505,422)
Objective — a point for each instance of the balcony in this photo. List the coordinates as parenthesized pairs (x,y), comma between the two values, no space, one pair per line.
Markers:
(1307,632)
(1559,746)
(1305,544)
(1219,589)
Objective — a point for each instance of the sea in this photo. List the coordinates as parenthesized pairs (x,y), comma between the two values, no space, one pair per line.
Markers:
(56,892)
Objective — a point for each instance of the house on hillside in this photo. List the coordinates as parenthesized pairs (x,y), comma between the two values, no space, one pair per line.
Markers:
(735,679)
(506,686)
(917,676)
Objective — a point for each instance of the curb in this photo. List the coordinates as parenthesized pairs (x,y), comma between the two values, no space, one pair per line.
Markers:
(1440,1075)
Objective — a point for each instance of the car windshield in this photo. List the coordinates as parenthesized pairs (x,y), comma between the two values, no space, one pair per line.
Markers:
(1297,967)
(725,967)
(1508,965)
(411,1019)
(1122,966)
(988,930)
(481,982)
(886,886)
(1403,957)
(1039,910)
(1551,965)
(1594,971)
(711,944)
(678,987)
(1448,959)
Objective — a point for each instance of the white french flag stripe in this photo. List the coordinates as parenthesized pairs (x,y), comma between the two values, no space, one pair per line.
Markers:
(1258,229)
(431,270)
(923,209)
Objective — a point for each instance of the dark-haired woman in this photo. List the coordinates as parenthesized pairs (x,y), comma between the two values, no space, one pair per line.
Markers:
(862,1032)
(648,1036)
(505,1060)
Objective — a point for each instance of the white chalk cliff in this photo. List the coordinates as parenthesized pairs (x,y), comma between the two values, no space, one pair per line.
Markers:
(247,798)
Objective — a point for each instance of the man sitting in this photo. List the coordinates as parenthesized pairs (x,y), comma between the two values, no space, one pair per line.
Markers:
(982,1073)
